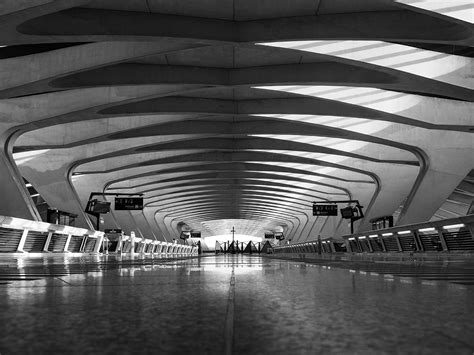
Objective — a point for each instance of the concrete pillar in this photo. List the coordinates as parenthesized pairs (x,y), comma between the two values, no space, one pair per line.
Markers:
(16,200)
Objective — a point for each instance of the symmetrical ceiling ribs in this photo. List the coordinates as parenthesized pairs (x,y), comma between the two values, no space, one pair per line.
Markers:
(236,111)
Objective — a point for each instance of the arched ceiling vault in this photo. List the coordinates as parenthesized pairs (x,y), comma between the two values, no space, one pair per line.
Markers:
(236,112)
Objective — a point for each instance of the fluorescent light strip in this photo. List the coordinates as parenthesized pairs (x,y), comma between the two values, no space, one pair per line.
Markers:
(431,229)
(452,226)
(387,234)
(404,232)
(362,237)
(351,238)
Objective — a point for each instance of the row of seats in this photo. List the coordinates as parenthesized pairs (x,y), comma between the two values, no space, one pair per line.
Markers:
(24,236)
(449,235)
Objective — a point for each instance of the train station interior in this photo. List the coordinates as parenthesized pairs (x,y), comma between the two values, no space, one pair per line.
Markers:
(236,176)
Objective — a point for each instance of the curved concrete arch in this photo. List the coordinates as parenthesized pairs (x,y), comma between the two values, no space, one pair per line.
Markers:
(245,182)
(236,193)
(207,166)
(295,104)
(103,25)
(326,71)
(271,105)
(222,187)
(210,205)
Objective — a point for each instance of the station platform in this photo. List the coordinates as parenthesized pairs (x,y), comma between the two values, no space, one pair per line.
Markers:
(233,304)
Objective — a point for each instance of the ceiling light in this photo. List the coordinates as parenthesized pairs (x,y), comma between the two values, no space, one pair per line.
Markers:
(453,226)
(431,229)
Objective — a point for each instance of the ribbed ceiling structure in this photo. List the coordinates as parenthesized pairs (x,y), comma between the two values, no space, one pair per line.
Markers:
(237,113)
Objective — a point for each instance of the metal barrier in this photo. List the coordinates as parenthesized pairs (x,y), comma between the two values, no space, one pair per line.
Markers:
(448,235)
(19,235)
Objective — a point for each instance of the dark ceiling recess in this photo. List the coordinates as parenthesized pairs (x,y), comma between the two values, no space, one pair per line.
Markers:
(28,49)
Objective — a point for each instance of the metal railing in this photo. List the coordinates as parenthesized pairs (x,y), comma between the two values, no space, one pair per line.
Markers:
(448,235)
(19,235)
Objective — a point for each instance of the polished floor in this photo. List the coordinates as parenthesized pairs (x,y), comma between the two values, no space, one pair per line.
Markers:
(231,304)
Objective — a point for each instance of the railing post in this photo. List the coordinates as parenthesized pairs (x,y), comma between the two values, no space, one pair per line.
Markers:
(470,227)
(98,243)
(441,238)
(48,241)
(83,243)
(400,249)
(419,244)
(68,240)
(21,245)
(348,246)
(367,239)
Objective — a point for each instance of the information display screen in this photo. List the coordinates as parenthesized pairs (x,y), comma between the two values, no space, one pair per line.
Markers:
(128,203)
(347,212)
(325,210)
(96,206)
(195,234)
(269,235)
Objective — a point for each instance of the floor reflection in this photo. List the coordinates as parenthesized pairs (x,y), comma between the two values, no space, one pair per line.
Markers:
(271,306)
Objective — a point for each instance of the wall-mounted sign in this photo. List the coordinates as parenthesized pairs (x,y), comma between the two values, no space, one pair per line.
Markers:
(269,235)
(128,203)
(195,234)
(324,210)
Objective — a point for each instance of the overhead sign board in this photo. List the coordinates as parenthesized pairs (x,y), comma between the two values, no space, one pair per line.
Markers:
(112,231)
(324,210)
(128,203)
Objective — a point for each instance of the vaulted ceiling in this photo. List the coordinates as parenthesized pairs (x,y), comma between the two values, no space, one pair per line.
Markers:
(238,112)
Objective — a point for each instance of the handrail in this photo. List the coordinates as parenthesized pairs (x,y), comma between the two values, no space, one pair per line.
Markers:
(453,234)
(19,242)
(20,223)
(466,220)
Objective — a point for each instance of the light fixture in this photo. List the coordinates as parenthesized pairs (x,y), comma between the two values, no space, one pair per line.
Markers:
(351,238)
(404,232)
(453,226)
(362,237)
(431,229)
(374,235)
(387,234)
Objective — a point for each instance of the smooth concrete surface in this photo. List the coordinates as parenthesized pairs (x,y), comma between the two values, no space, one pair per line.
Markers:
(229,304)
